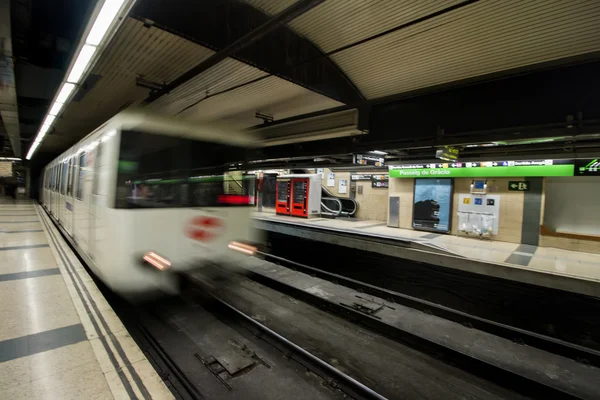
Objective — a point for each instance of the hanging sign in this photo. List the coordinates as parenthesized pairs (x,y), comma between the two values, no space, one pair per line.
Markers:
(447,153)
(368,159)
(587,167)
(361,177)
(380,181)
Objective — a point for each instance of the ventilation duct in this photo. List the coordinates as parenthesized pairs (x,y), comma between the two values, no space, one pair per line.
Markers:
(329,126)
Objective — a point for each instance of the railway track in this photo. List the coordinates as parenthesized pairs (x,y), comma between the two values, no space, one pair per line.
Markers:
(580,353)
(171,334)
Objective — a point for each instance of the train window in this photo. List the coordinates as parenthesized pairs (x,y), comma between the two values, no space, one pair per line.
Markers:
(58,174)
(54,178)
(79,193)
(63,179)
(70,178)
(157,171)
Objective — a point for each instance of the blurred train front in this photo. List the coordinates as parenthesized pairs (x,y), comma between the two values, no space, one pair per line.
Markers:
(144,202)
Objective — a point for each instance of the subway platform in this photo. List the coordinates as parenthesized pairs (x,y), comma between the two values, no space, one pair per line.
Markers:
(59,338)
(577,272)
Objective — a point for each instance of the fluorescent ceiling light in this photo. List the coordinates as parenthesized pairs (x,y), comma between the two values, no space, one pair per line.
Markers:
(49,120)
(107,14)
(82,62)
(56,107)
(44,129)
(378,152)
(10,159)
(32,150)
(65,92)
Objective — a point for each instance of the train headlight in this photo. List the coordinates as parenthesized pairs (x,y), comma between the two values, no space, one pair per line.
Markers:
(157,261)
(242,248)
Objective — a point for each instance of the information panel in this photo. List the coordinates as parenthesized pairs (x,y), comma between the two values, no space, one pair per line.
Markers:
(432,205)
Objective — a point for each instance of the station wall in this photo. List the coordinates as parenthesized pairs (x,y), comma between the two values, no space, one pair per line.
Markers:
(566,205)
(572,205)
(511,205)
(6,168)
(510,222)
(372,203)
(570,214)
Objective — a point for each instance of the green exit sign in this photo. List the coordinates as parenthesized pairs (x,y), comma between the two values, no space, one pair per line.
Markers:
(522,186)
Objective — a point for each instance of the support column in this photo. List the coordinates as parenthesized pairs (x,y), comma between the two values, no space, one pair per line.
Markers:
(532,209)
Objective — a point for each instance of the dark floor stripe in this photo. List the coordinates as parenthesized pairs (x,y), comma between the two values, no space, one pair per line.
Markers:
(32,344)
(29,274)
(526,248)
(430,236)
(29,246)
(518,259)
(371,226)
(83,293)
(23,231)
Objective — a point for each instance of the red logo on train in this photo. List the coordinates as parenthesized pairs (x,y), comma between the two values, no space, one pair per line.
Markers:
(204,228)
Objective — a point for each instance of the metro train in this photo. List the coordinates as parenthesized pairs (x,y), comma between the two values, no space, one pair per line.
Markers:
(145,198)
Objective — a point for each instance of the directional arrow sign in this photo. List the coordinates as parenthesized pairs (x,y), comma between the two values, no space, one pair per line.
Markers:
(518,186)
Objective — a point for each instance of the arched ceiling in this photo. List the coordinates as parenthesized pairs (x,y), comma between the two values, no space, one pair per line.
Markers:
(209,60)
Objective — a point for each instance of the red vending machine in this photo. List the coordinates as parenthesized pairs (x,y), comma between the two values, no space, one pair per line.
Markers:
(300,193)
(283,196)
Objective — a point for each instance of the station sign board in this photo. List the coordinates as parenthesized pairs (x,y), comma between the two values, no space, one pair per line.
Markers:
(380,181)
(447,153)
(517,186)
(361,177)
(587,167)
(369,159)
(488,169)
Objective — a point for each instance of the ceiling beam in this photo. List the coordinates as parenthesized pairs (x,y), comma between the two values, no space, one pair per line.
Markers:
(8,89)
(236,29)
(290,13)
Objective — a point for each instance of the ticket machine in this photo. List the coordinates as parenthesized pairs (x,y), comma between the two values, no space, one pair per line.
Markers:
(302,195)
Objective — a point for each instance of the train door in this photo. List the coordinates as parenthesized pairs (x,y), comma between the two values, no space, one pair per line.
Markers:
(54,189)
(62,190)
(68,220)
(98,202)
(94,201)
(81,202)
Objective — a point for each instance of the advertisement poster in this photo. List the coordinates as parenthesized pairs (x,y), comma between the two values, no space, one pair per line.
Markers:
(432,204)
(343,186)
(331,179)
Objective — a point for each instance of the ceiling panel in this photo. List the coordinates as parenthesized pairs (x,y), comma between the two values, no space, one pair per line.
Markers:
(135,51)
(225,75)
(271,7)
(271,95)
(338,23)
(479,39)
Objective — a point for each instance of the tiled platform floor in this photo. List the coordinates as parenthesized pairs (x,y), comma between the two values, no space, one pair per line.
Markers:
(59,338)
(549,260)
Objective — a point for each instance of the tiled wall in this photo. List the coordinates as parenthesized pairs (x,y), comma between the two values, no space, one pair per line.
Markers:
(372,203)
(5,168)
(590,246)
(572,204)
(511,207)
